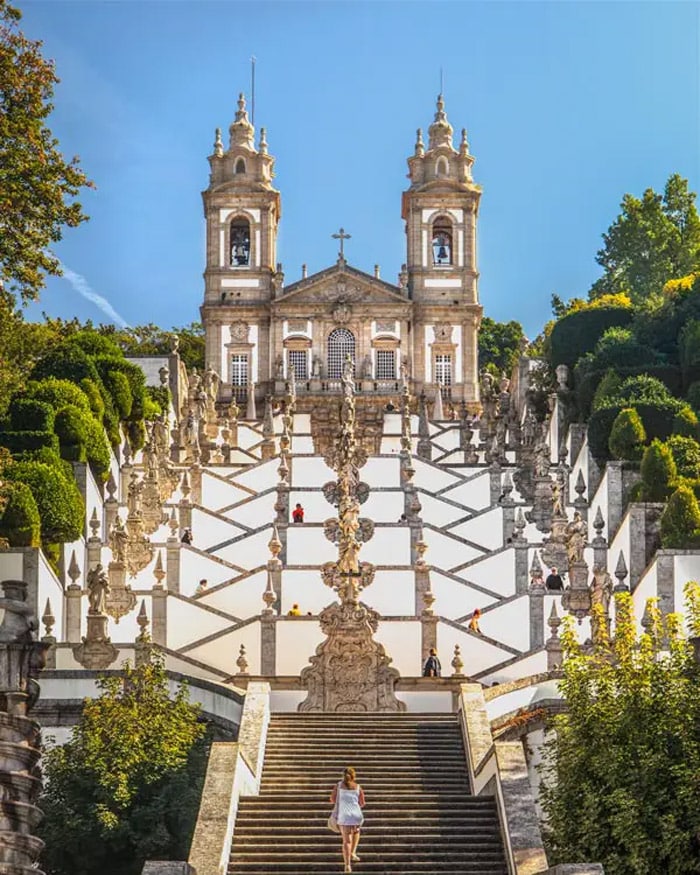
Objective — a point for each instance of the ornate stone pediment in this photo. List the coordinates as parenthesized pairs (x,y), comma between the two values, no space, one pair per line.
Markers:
(342,286)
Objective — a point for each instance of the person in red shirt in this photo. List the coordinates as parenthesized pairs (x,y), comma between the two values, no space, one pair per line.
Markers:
(298,514)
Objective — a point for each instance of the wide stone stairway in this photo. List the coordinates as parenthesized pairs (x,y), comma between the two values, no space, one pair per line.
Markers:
(420,816)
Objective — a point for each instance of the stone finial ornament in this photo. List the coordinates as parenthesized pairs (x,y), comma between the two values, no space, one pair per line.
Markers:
(73,571)
(242,661)
(457,663)
(621,573)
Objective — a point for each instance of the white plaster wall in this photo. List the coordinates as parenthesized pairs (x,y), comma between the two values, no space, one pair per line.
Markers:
(439,512)
(427,703)
(311,470)
(255,511)
(189,622)
(446,552)
(433,478)
(621,543)
(302,444)
(11,565)
(305,588)
(645,589)
(49,587)
(248,435)
(522,698)
(685,568)
(381,472)
(223,651)
(474,493)
(387,547)
(392,593)
(532,664)
(242,599)
(383,507)
(508,622)
(401,640)
(486,530)
(453,599)
(297,640)
(308,544)
(218,493)
(249,552)
(208,530)
(259,477)
(600,500)
(496,572)
(447,440)
(390,445)
(194,566)
(477,654)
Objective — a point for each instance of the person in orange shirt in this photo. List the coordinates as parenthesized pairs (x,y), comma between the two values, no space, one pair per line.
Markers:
(474,622)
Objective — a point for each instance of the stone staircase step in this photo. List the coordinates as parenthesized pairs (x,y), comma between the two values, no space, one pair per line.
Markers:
(420,814)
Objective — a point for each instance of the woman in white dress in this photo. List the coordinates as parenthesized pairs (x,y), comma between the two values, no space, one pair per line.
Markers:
(348,799)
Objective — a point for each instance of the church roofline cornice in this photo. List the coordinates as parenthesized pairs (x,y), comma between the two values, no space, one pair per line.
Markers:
(345,268)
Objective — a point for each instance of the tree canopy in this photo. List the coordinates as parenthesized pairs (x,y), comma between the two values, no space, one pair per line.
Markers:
(38,186)
(126,785)
(499,344)
(655,238)
(622,773)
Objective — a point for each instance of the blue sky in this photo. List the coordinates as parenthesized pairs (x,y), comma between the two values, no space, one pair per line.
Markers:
(567,106)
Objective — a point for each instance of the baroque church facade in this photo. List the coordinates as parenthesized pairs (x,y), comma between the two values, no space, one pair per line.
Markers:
(261,333)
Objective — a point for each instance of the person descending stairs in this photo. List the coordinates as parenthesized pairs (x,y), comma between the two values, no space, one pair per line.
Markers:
(420,816)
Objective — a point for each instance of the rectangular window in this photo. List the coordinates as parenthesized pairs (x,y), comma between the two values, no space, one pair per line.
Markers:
(239,370)
(386,364)
(298,359)
(443,370)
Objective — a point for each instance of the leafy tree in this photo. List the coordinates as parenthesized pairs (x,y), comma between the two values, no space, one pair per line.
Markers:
(685,422)
(499,344)
(658,472)
(126,785)
(621,772)
(607,388)
(37,185)
(627,436)
(653,240)
(680,521)
(686,455)
(152,340)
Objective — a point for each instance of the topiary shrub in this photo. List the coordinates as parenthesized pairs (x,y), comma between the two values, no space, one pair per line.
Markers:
(30,414)
(693,396)
(93,343)
(159,395)
(20,523)
(627,435)
(97,449)
(119,390)
(680,521)
(577,333)
(94,397)
(685,422)
(686,455)
(71,429)
(606,389)
(57,498)
(66,362)
(28,441)
(57,393)
(658,471)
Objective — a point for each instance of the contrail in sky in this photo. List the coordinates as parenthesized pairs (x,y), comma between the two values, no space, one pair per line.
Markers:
(82,287)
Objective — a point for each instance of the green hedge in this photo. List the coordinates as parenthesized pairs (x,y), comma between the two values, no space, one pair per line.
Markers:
(117,384)
(30,414)
(579,332)
(71,428)
(686,455)
(659,473)
(66,362)
(657,420)
(627,435)
(20,523)
(57,498)
(57,393)
(680,521)
(28,441)
(587,384)
(97,448)
(160,395)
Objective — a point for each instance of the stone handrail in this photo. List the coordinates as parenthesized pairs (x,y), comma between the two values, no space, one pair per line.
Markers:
(233,770)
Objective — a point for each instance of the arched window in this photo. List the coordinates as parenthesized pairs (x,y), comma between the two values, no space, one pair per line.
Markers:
(341,343)
(240,166)
(442,242)
(442,167)
(239,240)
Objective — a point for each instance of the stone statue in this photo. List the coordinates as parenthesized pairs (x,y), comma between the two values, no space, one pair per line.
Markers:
(367,368)
(575,532)
(118,540)
(98,590)
(279,368)
(195,383)
(211,384)
(557,505)
(190,430)
(316,367)
(346,379)
(529,429)
(601,589)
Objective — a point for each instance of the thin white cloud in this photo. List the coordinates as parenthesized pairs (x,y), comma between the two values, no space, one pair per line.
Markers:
(82,287)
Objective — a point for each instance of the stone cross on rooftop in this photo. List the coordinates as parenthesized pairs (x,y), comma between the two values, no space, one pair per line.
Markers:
(342,236)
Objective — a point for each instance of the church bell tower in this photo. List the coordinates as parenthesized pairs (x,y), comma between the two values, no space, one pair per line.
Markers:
(242,211)
(440,209)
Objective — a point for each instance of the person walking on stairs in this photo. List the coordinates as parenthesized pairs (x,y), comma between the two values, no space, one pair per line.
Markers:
(432,667)
(474,622)
(348,799)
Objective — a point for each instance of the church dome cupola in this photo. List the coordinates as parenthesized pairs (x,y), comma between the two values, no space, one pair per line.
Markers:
(441,130)
(241,130)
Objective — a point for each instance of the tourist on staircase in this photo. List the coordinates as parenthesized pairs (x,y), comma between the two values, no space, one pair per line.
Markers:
(298,514)
(474,622)
(432,667)
(348,799)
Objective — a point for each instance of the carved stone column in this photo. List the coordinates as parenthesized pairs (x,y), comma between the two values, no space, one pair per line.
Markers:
(21,658)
